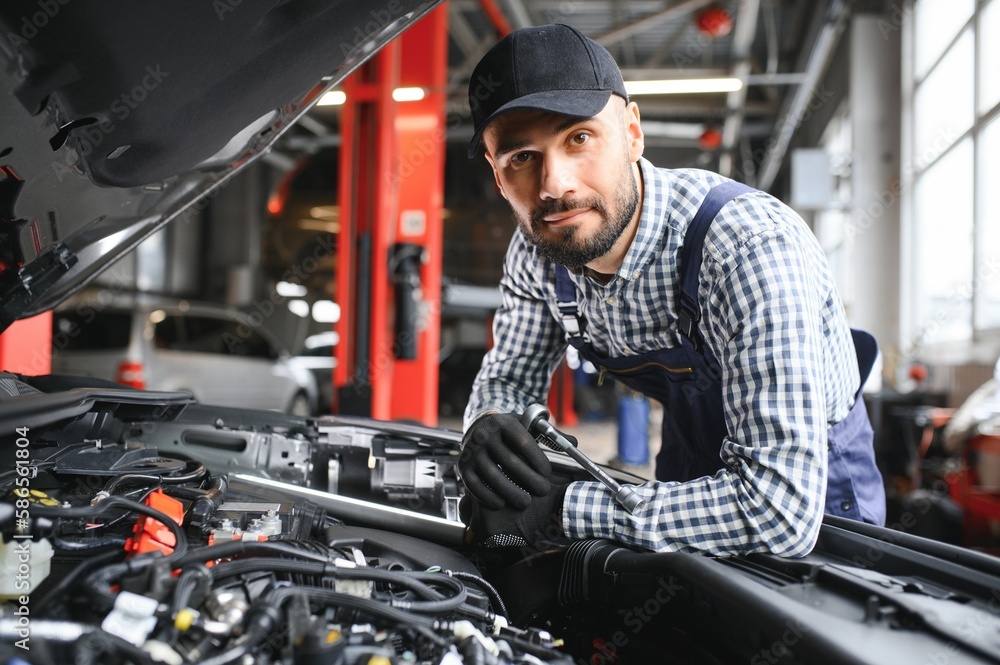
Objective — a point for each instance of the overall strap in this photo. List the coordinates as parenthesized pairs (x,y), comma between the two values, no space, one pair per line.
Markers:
(569,313)
(694,240)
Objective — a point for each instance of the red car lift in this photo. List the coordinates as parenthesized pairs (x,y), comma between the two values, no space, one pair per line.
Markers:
(389,254)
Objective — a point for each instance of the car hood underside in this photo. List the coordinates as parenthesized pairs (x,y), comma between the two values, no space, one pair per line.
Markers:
(116,117)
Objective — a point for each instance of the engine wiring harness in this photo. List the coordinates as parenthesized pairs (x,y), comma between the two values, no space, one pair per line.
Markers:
(170,565)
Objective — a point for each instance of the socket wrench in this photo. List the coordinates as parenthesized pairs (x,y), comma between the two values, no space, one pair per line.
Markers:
(536,420)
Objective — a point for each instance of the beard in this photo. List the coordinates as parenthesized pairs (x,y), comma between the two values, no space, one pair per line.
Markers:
(568,247)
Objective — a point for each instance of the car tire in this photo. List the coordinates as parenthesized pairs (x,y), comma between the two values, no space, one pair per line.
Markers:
(300,406)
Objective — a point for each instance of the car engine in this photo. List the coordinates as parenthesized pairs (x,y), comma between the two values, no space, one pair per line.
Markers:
(141,527)
(137,548)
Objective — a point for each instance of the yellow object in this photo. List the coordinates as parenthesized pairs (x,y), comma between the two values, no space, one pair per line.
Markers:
(332,636)
(379,660)
(184,619)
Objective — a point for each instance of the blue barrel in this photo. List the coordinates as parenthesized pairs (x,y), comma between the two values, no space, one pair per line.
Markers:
(633,429)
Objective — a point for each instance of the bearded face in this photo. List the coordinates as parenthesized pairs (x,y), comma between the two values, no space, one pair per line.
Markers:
(573,245)
(571,182)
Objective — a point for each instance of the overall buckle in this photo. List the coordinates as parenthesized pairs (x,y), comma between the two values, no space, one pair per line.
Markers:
(687,321)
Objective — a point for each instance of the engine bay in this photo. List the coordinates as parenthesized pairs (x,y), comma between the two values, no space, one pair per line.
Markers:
(141,527)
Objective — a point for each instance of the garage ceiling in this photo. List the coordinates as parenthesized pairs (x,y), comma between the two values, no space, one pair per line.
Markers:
(779,49)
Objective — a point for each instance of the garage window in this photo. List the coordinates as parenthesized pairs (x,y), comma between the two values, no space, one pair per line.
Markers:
(954,142)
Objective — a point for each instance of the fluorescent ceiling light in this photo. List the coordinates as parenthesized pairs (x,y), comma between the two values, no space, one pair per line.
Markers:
(332,98)
(299,308)
(325,311)
(408,94)
(682,86)
(673,130)
(290,290)
(338,97)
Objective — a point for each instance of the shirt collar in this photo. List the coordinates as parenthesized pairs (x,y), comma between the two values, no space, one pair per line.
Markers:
(652,225)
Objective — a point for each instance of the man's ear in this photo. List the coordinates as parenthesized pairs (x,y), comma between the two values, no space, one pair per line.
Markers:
(633,130)
(496,176)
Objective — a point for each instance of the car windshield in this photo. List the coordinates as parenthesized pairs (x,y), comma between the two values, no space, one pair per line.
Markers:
(89,331)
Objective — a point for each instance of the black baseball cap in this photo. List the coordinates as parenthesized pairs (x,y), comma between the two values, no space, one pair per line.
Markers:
(549,68)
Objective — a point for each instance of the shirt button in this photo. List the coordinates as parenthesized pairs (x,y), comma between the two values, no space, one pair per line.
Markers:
(635,275)
(611,300)
(846,505)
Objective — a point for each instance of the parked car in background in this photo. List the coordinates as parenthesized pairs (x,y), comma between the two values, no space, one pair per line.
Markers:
(216,353)
(317,358)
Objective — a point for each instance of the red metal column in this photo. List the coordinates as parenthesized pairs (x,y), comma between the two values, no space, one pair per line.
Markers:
(561,397)
(391,192)
(419,183)
(368,148)
(26,346)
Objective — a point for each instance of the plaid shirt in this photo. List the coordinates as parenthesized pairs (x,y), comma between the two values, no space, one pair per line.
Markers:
(770,314)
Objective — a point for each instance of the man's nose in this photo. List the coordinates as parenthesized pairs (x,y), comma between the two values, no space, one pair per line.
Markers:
(558,177)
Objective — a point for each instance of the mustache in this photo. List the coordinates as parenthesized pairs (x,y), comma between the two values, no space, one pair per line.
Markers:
(553,206)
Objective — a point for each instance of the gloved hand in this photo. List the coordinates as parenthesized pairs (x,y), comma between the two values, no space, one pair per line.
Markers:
(509,527)
(501,464)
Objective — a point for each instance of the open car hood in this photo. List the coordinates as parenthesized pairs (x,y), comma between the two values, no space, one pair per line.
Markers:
(117,117)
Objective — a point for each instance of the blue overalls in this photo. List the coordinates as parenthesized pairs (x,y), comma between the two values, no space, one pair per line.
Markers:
(687,382)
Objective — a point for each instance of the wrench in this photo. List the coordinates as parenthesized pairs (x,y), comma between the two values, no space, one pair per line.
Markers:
(536,420)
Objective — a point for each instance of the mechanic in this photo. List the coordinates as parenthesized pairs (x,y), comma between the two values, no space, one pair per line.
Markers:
(709,296)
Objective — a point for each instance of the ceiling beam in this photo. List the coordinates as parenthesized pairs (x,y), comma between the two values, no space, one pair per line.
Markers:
(834,20)
(517,14)
(743,37)
(496,17)
(669,44)
(672,12)
(462,32)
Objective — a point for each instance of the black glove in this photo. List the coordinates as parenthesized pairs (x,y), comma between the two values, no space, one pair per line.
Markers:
(508,527)
(501,464)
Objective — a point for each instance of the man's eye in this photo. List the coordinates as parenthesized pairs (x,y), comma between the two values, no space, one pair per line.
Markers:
(520,158)
(580,138)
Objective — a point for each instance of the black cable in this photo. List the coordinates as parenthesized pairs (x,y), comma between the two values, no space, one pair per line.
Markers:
(136,495)
(187,584)
(113,502)
(198,473)
(101,580)
(84,545)
(181,492)
(251,565)
(435,603)
(330,597)
(105,642)
(495,599)
(59,590)
(243,548)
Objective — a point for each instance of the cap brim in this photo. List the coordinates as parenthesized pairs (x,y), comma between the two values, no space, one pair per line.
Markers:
(573,103)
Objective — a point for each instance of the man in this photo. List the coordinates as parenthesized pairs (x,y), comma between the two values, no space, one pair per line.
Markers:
(700,292)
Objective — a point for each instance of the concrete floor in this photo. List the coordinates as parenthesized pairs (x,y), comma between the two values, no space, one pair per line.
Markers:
(599,440)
